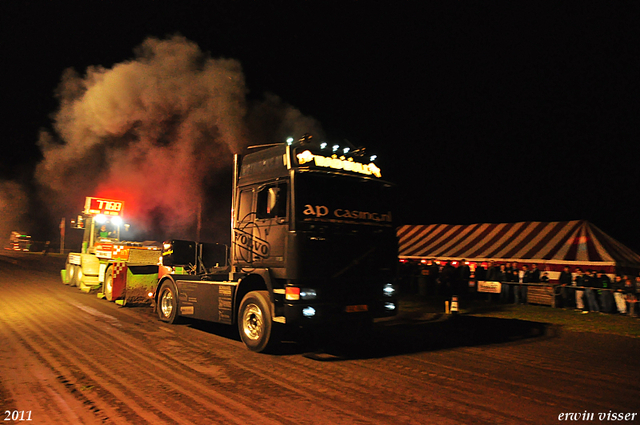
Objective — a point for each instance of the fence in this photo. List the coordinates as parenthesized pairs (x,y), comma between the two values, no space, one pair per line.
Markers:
(548,294)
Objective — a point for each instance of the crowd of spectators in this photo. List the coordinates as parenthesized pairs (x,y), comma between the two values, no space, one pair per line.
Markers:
(586,291)
(593,291)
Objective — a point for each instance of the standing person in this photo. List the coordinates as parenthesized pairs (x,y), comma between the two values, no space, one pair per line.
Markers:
(434,275)
(526,278)
(564,281)
(514,277)
(606,296)
(507,269)
(579,281)
(503,278)
(447,278)
(520,291)
(514,272)
(492,275)
(509,276)
(619,294)
(492,272)
(464,273)
(534,274)
(430,280)
(631,290)
(480,273)
(591,282)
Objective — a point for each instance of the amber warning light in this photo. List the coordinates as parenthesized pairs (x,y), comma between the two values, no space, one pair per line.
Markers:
(110,207)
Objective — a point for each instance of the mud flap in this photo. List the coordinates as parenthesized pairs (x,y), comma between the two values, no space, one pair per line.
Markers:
(119,273)
(135,284)
(141,281)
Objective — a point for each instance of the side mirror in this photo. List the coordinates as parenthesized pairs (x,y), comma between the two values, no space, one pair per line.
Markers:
(272,199)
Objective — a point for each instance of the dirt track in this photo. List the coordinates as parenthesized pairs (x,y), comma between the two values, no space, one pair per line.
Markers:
(70,358)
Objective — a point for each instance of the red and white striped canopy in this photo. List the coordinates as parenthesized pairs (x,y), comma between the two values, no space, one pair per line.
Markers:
(558,242)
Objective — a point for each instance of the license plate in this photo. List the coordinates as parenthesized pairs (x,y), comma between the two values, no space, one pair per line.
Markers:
(356,308)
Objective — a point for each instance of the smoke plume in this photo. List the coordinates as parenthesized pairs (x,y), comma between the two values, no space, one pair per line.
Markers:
(154,131)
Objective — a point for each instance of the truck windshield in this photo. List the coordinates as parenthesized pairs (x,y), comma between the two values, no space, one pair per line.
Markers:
(342,200)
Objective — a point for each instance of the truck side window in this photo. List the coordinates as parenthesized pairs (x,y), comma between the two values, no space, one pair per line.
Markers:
(244,206)
(272,201)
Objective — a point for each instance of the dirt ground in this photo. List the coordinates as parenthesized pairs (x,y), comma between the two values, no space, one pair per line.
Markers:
(67,357)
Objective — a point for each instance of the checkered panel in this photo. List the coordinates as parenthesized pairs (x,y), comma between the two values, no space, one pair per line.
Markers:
(119,268)
(119,274)
(120,252)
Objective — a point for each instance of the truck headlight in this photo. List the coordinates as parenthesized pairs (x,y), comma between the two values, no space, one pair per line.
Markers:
(389,290)
(308,311)
(308,294)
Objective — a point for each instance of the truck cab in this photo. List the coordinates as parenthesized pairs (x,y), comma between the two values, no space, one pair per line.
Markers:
(313,244)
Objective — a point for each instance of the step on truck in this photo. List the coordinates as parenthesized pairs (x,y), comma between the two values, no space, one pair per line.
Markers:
(120,271)
(313,244)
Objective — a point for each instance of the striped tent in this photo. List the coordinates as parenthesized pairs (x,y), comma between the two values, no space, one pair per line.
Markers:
(575,243)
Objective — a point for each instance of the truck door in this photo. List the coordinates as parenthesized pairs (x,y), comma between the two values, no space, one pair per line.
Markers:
(271,224)
(243,228)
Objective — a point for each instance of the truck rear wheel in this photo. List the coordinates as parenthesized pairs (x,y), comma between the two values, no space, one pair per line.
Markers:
(254,321)
(168,303)
(107,285)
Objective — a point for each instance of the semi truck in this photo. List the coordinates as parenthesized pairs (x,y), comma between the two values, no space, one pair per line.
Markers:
(120,271)
(312,245)
(19,241)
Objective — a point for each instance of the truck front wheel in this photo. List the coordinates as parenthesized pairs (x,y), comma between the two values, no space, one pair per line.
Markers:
(254,321)
(73,279)
(69,270)
(168,303)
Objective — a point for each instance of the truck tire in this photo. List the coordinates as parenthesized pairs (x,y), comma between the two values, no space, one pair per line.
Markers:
(80,281)
(73,279)
(68,272)
(254,321)
(168,303)
(107,285)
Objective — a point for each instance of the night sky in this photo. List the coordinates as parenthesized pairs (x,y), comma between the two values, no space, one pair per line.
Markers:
(480,112)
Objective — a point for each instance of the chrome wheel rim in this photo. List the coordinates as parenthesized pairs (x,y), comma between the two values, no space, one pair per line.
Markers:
(166,303)
(252,322)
